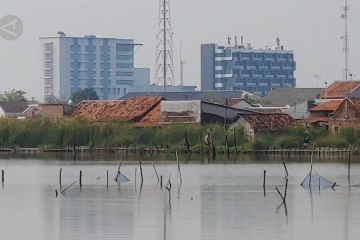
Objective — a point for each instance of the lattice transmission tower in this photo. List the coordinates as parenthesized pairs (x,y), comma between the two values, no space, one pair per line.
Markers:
(164,69)
(345,38)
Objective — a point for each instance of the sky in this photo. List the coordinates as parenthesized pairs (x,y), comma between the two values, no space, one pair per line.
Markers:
(313,29)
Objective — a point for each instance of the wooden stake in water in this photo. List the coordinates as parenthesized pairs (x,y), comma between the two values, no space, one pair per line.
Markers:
(135,176)
(177,159)
(68,187)
(141,173)
(286,171)
(80,178)
(118,168)
(155,171)
(349,162)
(161,181)
(107,178)
(60,176)
(2,176)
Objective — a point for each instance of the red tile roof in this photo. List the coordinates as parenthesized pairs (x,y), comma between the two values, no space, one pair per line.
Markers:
(269,122)
(316,120)
(330,106)
(131,110)
(339,89)
(151,119)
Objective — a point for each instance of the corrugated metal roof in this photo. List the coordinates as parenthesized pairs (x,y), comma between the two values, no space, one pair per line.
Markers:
(214,96)
(269,122)
(131,110)
(281,97)
(339,89)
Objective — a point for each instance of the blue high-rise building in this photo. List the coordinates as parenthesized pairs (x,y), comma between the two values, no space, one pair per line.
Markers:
(242,68)
(68,64)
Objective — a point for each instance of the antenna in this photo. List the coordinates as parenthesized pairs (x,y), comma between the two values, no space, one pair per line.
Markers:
(345,38)
(164,70)
(236,42)
(278,43)
(182,63)
(229,41)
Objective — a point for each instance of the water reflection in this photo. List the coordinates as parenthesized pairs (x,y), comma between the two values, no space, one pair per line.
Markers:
(214,201)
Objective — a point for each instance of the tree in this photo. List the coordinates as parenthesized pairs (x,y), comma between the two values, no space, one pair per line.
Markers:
(84,94)
(13,96)
(52,99)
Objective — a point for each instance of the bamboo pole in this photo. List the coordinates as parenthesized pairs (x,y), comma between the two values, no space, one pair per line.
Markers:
(155,171)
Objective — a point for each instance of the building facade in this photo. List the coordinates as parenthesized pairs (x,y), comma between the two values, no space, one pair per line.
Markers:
(242,68)
(68,64)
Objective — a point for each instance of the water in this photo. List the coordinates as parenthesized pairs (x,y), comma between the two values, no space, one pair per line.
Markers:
(215,201)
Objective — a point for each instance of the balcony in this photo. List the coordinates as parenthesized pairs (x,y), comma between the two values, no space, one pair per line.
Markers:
(263,67)
(263,84)
(218,68)
(251,84)
(251,67)
(257,75)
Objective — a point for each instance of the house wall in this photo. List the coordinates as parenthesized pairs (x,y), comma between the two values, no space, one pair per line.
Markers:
(318,114)
(298,111)
(347,115)
(52,111)
(247,126)
(181,111)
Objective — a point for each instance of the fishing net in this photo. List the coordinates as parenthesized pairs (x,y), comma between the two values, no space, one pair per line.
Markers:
(314,179)
(120,178)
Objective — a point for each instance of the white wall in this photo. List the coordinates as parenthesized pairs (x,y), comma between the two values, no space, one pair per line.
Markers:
(192,109)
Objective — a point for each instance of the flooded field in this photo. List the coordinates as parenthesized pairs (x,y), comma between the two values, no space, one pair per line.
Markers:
(215,201)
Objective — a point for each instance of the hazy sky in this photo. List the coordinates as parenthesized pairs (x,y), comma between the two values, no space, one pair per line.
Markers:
(311,28)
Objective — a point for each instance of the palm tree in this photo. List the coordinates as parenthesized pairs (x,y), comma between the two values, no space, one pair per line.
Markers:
(14,96)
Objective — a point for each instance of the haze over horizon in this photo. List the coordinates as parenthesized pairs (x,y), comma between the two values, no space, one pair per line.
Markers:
(312,29)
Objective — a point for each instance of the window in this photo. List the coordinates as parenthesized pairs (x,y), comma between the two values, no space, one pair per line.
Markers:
(114,90)
(47,64)
(124,47)
(124,90)
(47,47)
(118,91)
(336,129)
(124,65)
(47,56)
(123,57)
(124,73)
(48,73)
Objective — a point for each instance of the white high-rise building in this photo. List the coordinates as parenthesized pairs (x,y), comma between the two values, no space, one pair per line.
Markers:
(68,64)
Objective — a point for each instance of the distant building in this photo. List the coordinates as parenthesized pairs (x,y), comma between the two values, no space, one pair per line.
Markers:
(243,68)
(68,64)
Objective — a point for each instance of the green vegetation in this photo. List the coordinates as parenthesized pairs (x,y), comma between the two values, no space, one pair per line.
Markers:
(47,133)
(84,94)
(13,96)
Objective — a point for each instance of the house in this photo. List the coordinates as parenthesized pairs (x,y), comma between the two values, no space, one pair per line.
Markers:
(273,122)
(336,114)
(299,112)
(340,90)
(56,110)
(240,103)
(320,114)
(12,109)
(198,111)
(281,97)
(132,110)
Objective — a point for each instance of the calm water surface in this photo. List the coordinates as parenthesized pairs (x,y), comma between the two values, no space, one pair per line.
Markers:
(215,201)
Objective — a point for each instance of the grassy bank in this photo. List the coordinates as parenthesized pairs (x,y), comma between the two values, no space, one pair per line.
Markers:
(47,133)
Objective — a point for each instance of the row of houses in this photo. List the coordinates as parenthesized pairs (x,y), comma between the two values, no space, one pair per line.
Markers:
(336,106)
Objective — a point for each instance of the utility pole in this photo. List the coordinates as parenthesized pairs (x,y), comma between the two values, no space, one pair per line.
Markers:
(182,63)
(345,38)
(317,79)
(164,70)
